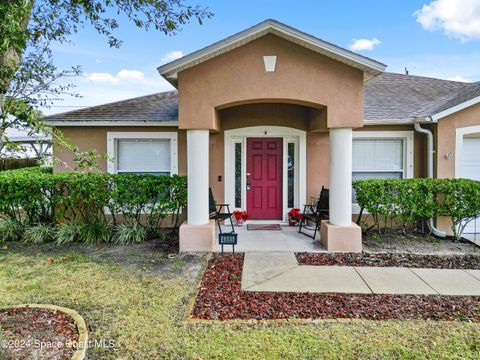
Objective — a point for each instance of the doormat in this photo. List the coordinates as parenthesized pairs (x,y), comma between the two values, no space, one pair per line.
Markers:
(264,227)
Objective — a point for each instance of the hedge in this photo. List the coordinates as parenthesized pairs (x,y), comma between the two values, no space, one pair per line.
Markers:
(35,196)
(410,200)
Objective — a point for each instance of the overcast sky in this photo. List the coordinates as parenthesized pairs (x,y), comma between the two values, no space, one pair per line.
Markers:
(438,38)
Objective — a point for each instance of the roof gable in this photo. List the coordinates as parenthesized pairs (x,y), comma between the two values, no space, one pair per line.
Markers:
(369,66)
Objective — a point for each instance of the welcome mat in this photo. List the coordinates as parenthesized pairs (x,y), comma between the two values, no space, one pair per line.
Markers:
(263,227)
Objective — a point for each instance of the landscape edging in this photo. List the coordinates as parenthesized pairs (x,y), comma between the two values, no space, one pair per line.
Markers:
(79,353)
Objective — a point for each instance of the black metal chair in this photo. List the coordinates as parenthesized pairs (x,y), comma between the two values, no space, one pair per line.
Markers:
(316,213)
(219,212)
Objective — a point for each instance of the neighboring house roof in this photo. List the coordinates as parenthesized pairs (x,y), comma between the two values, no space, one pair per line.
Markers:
(155,109)
(369,66)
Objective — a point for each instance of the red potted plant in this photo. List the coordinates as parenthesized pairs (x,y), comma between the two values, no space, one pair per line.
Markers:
(240,217)
(294,217)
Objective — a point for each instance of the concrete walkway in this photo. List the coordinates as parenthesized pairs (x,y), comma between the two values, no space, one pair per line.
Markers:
(280,272)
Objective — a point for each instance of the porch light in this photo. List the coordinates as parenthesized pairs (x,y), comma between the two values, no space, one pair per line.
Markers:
(270,63)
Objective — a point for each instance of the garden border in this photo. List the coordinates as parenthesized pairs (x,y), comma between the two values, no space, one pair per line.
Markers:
(80,353)
(190,319)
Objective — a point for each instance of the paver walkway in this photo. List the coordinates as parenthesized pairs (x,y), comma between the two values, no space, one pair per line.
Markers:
(280,272)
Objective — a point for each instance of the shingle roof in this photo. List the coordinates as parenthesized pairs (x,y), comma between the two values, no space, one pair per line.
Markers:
(389,99)
(159,107)
(468,92)
(397,98)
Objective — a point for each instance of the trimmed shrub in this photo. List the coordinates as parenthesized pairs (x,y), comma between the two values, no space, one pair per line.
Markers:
(84,205)
(410,200)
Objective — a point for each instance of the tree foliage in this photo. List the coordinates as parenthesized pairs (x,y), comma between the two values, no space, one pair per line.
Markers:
(28,77)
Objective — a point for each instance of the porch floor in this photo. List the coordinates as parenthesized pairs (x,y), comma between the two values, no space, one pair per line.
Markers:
(286,240)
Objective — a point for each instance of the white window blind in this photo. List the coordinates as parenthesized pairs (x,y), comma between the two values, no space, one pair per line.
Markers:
(143,156)
(378,159)
(378,155)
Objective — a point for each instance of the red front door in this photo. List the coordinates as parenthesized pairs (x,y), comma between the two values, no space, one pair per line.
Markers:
(264,178)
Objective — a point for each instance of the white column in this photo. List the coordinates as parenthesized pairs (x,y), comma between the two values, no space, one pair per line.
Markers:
(197,172)
(341,176)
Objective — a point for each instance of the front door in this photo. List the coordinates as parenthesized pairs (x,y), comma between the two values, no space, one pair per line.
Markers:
(264,178)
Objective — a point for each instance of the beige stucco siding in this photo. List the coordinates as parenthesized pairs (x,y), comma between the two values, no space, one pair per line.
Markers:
(302,76)
(93,137)
(445,142)
(446,135)
(87,138)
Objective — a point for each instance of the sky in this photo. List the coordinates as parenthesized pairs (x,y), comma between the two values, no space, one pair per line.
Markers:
(435,38)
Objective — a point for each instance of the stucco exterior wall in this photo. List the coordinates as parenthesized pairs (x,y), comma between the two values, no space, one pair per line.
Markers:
(238,76)
(297,117)
(445,139)
(95,137)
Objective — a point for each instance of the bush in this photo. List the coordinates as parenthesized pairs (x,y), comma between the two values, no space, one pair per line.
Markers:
(83,206)
(130,234)
(11,230)
(94,233)
(67,233)
(410,200)
(39,234)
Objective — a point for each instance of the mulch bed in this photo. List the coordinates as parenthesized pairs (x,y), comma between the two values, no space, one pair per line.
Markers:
(220,298)
(32,333)
(392,259)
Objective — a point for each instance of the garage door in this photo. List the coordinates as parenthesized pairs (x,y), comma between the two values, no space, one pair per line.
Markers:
(471,170)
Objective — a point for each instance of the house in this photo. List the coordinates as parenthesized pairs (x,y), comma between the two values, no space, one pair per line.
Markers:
(267,116)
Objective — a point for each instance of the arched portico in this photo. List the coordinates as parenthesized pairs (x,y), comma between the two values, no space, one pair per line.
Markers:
(270,80)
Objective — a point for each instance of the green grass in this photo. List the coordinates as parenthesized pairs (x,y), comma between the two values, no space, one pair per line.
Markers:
(137,296)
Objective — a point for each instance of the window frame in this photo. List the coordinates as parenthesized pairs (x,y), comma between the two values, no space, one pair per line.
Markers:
(408,151)
(112,138)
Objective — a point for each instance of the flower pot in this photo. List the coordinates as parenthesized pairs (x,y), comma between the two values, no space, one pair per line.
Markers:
(240,222)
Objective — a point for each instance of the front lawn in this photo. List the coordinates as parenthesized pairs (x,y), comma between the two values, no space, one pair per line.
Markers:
(137,296)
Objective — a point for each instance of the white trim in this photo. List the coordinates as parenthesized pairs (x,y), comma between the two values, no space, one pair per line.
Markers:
(408,150)
(111,146)
(459,135)
(289,135)
(170,70)
(93,122)
(455,109)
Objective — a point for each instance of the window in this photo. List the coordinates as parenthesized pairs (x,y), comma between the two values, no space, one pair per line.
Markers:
(238,174)
(142,153)
(378,159)
(291,175)
(381,155)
